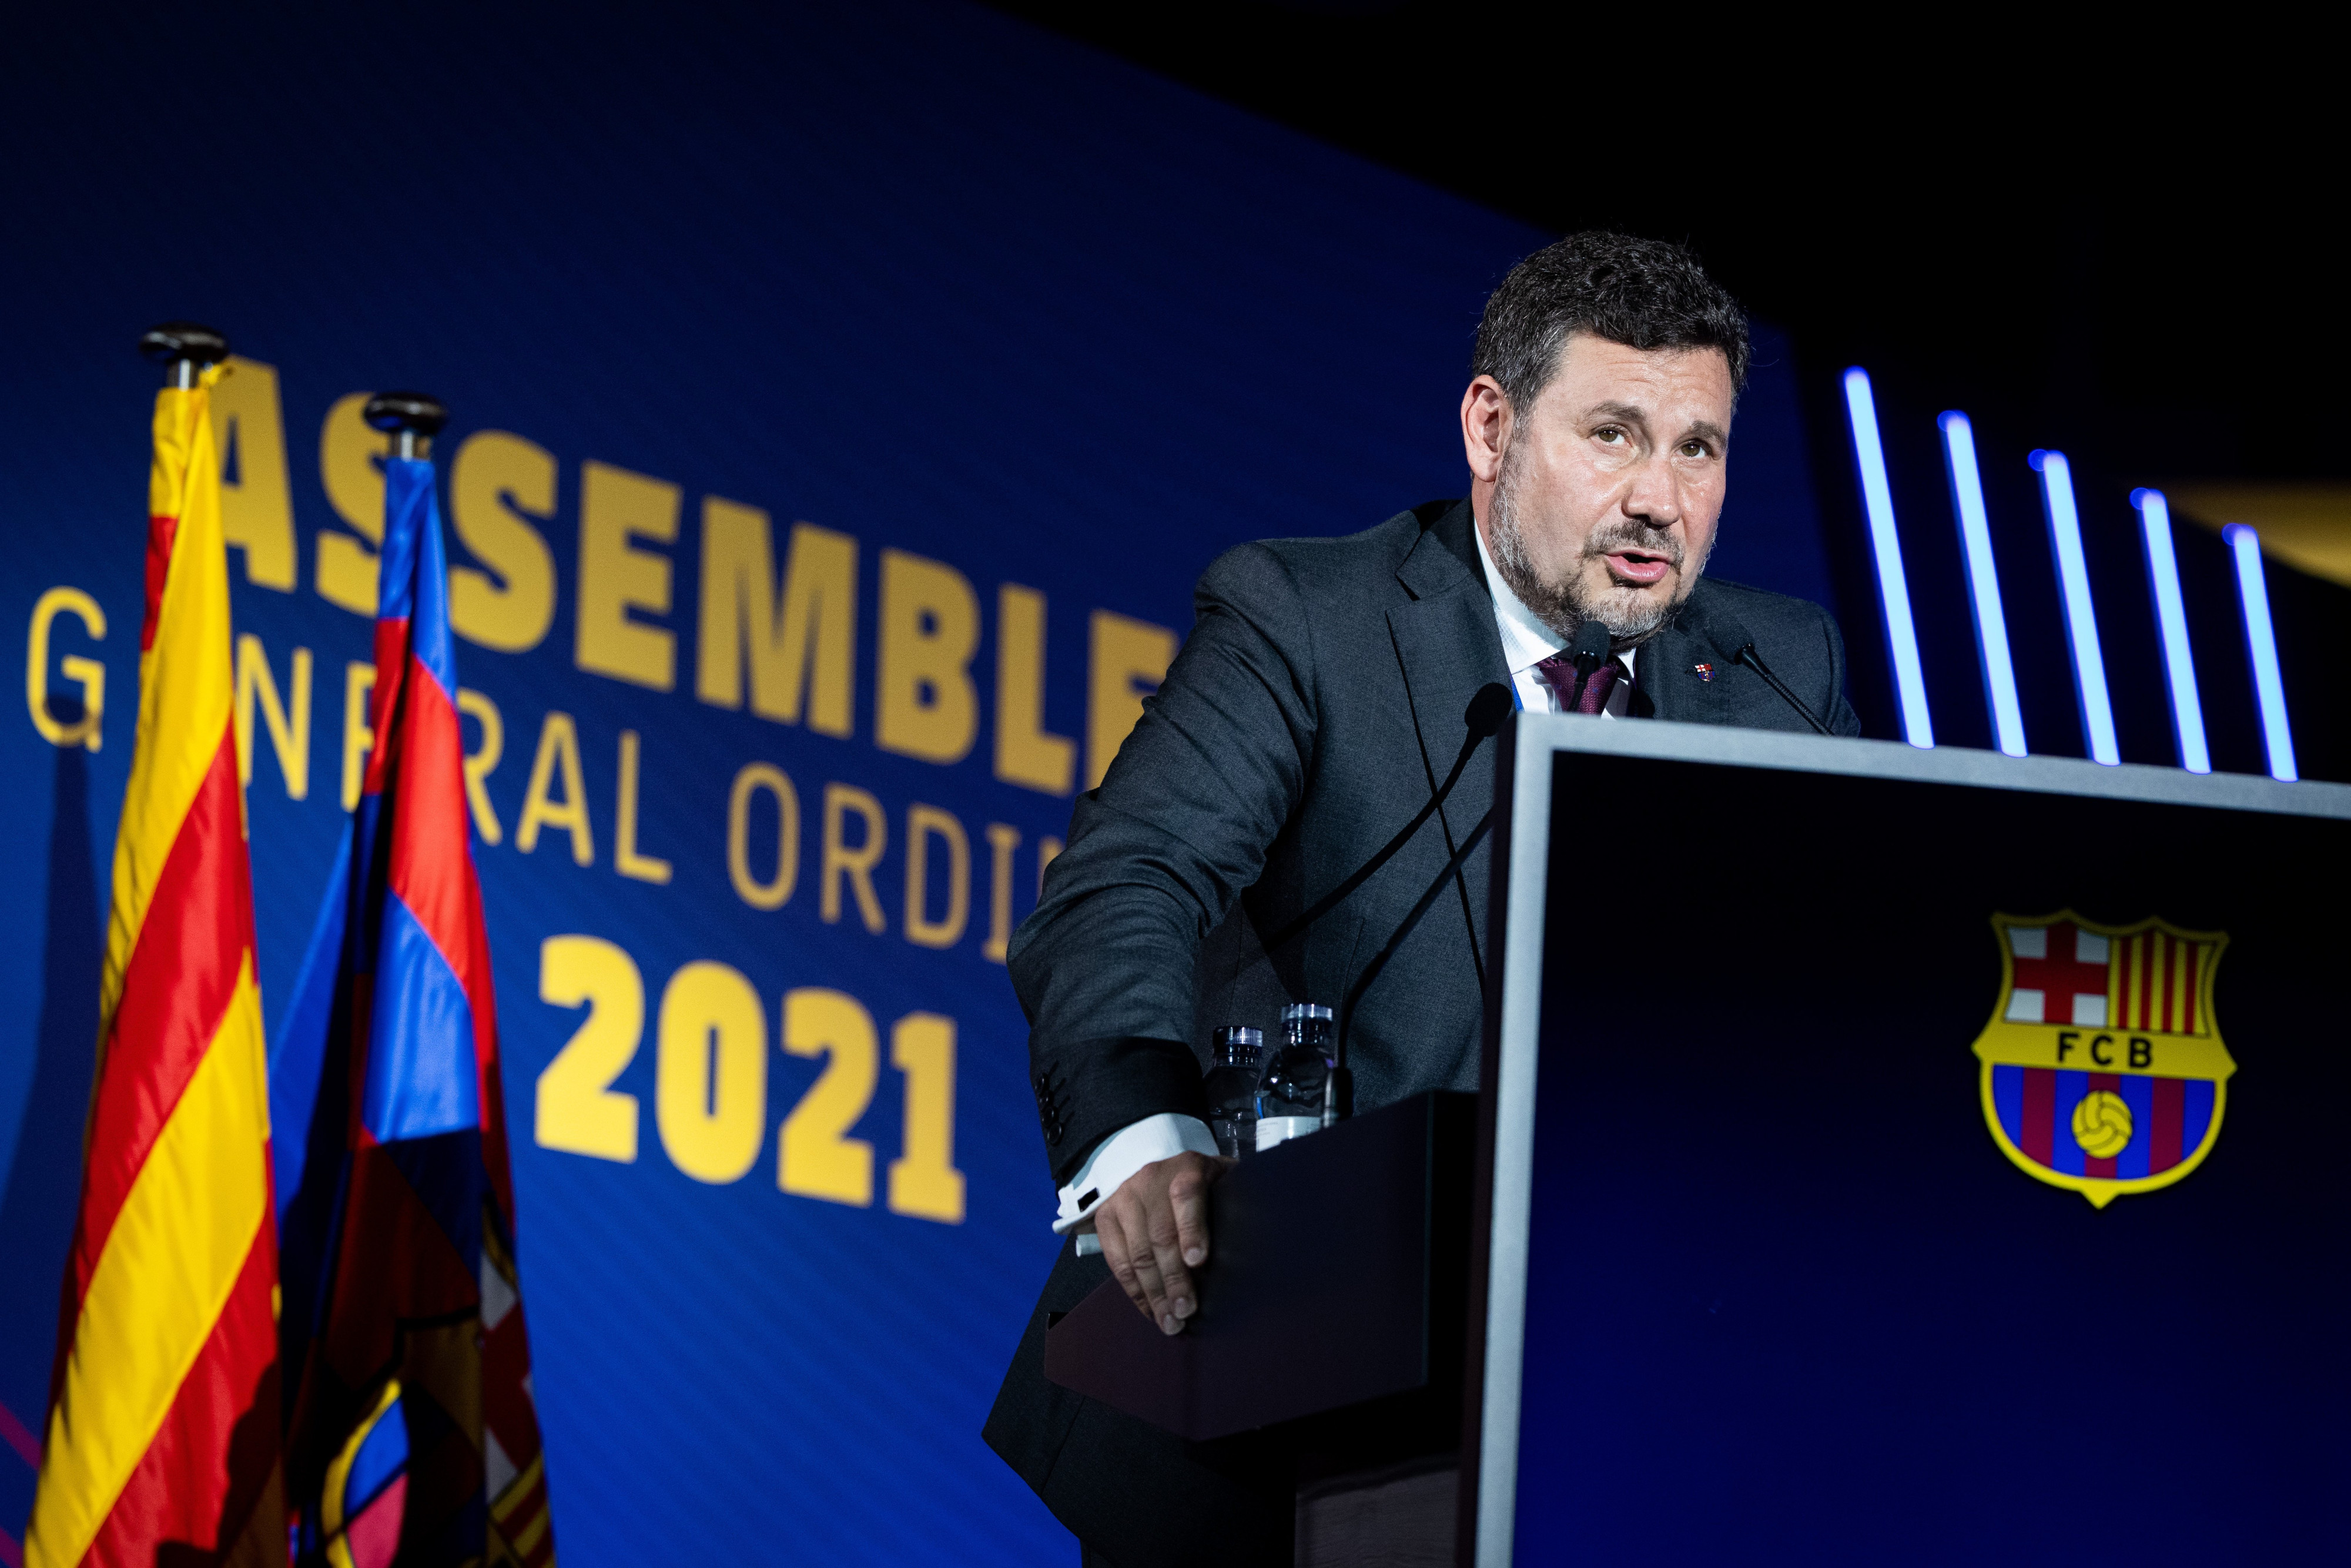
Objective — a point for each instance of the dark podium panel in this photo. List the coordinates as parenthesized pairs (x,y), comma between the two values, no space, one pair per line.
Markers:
(1337,1277)
(1905,1156)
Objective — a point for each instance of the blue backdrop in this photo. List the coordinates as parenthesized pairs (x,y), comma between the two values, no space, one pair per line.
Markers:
(984,308)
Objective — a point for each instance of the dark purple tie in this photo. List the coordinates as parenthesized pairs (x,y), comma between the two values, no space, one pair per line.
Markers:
(1558,673)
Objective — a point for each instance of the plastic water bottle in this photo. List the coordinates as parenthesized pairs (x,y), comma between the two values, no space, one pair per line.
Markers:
(1232,1089)
(1290,1096)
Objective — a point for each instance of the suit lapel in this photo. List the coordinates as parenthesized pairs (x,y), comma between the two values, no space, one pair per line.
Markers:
(1448,645)
(1673,686)
(1722,693)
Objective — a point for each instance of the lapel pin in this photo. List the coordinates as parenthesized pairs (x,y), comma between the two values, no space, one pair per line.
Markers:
(1705,672)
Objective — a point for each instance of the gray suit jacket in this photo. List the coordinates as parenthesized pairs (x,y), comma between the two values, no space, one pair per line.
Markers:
(1317,703)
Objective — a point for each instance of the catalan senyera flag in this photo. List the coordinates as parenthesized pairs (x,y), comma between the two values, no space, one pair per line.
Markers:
(411,1430)
(164,1411)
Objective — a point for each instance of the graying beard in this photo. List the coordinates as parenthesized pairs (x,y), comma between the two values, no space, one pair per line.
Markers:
(1555,608)
(1562,608)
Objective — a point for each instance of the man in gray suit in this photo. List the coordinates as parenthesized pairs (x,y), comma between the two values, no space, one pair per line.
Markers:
(1320,700)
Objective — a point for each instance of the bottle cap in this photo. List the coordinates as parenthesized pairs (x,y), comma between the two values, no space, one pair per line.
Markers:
(1296,1010)
(1238,1034)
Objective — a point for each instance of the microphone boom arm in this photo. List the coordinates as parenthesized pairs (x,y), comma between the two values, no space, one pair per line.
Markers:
(1485,715)
(1339,1097)
(1753,661)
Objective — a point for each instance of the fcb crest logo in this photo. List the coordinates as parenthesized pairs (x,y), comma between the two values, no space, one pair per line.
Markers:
(2102,1067)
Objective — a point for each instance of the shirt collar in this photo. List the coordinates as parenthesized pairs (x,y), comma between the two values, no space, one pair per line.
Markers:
(1527,639)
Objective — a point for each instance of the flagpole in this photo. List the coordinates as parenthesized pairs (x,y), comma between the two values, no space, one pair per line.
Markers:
(164,1423)
(183,349)
(410,418)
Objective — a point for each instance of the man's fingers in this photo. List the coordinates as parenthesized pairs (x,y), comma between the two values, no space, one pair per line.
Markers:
(1121,1259)
(1149,1290)
(1154,1232)
(1173,1299)
(1189,1196)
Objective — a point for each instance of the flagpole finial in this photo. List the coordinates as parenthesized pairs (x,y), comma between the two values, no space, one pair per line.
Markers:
(182,348)
(408,417)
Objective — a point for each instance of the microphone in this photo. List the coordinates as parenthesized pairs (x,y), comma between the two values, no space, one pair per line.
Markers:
(1339,1088)
(1727,631)
(1592,647)
(1484,716)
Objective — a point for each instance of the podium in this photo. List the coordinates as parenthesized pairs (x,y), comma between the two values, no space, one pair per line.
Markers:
(1883,1155)
(1365,1303)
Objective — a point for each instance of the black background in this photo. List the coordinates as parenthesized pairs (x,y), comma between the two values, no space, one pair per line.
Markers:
(2117,242)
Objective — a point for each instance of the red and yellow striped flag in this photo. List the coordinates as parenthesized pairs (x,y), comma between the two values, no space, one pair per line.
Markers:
(165,1416)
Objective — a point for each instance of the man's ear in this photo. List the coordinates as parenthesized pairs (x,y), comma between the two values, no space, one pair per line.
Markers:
(1485,428)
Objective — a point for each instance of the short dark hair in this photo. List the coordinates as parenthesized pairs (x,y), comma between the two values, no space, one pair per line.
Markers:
(1642,293)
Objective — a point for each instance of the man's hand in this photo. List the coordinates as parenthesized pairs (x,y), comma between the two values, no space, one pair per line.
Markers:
(1154,1232)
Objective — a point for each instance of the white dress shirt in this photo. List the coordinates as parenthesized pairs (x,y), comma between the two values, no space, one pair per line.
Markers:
(1526,642)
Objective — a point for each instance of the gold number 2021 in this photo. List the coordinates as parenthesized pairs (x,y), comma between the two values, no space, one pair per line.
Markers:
(710,1094)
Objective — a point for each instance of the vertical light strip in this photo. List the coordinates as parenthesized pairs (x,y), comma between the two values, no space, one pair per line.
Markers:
(2261,641)
(2081,617)
(1983,583)
(1885,547)
(2171,622)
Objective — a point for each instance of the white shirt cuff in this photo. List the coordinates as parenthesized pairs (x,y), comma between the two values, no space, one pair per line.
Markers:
(1124,1153)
